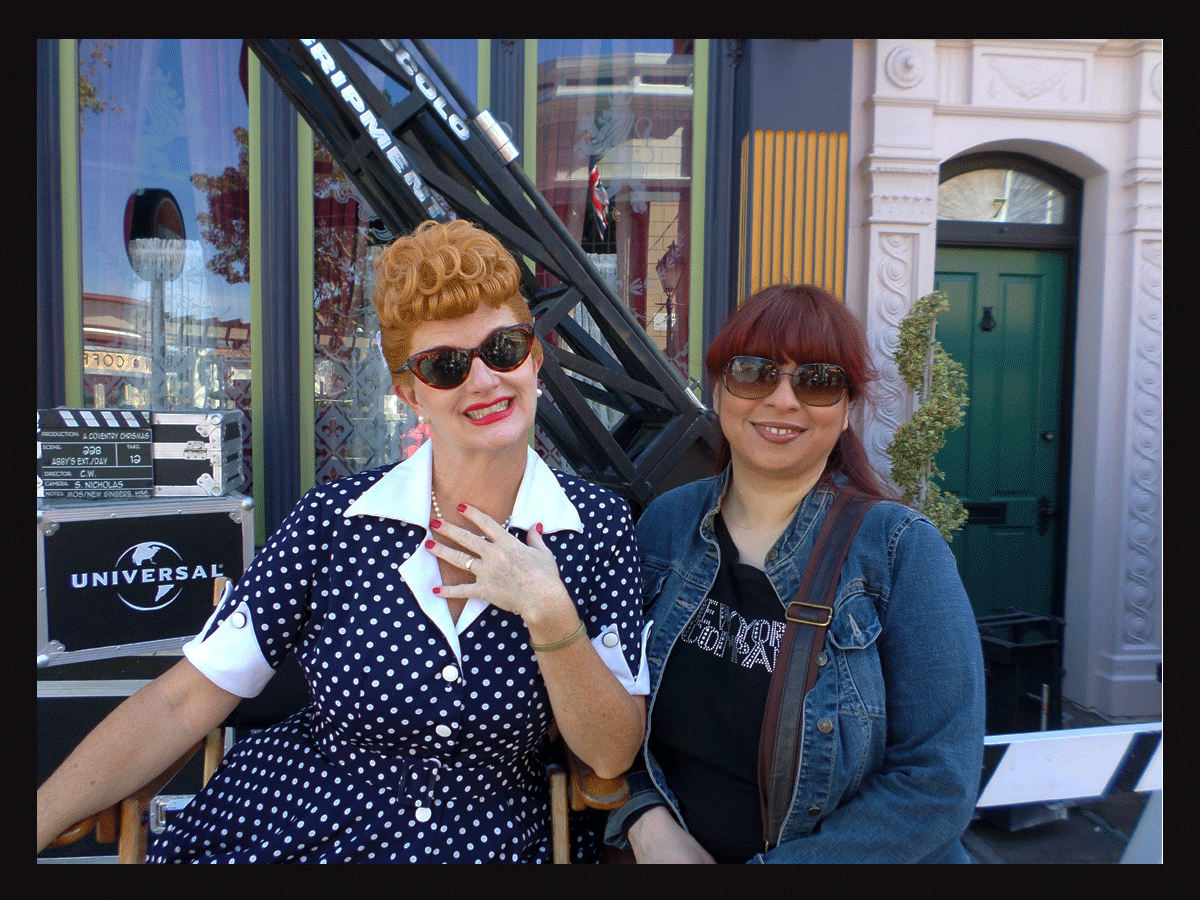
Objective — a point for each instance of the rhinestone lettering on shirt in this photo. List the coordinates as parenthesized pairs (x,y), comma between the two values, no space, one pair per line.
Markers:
(724,633)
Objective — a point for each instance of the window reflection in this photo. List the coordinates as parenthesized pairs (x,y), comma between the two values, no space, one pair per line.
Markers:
(614,153)
(164,216)
(359,422)
(460,57)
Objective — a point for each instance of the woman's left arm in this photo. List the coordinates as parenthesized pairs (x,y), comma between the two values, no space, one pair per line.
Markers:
(917,806)
(598,718)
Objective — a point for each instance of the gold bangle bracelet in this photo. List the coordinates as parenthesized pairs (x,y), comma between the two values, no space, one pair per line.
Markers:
(558,645)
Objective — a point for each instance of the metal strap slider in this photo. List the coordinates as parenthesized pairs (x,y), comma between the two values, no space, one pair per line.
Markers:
(796,613)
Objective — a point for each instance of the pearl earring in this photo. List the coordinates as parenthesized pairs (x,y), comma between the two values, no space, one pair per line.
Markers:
(539,392)
(421,420)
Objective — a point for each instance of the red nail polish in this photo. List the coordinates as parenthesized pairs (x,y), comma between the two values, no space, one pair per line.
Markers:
(462,507)
(538,526)
(437,590)
(435,523)
(429,545)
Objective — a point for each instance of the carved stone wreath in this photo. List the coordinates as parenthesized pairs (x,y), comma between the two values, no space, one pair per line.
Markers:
(905,67)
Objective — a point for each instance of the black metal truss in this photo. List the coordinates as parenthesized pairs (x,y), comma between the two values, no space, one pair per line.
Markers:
(431,155)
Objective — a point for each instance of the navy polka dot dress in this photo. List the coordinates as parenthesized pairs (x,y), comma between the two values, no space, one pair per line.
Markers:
(422,741)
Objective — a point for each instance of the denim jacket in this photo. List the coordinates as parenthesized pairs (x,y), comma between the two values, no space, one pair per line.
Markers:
(892,732)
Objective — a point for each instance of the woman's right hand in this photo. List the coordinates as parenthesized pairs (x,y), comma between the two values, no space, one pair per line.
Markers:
(657,838)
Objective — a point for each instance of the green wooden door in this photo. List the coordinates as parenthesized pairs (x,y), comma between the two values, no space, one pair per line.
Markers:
(1005,326)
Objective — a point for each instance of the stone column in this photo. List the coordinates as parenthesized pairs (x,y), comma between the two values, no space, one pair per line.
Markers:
(901,238)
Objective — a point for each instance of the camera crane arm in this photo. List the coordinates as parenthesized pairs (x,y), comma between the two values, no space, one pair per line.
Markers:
(431,155)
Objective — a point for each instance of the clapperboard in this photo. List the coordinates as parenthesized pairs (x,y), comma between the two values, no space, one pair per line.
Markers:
(1072,764)
(95,454)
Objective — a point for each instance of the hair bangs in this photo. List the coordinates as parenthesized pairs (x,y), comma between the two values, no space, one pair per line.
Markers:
(804,324)
(783,335)
(797,323)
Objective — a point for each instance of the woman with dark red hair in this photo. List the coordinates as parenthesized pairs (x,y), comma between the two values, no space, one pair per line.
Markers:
(872,752)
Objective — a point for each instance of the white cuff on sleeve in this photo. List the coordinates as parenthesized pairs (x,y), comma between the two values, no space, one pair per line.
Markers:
(230,657)
(608,645)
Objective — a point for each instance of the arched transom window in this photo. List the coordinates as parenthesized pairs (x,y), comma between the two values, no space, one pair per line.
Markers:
(1000,195)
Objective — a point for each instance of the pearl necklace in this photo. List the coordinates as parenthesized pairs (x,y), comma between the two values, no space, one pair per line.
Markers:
(437,510)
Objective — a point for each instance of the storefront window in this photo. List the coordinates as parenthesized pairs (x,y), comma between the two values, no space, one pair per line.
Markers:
(614,152)
(164,219)
(460,57)
(359,423)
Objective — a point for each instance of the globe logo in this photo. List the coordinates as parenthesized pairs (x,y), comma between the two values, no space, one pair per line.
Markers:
(149,591)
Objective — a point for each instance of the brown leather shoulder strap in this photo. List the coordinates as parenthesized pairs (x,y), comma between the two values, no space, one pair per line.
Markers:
(796,666)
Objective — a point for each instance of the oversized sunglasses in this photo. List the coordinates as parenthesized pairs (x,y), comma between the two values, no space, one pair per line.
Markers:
(447,367)
(815,384)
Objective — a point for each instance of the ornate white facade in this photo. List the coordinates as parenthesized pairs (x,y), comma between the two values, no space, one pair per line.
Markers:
(1093,108)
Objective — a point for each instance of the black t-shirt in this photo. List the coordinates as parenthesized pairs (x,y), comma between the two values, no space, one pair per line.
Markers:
(709,709)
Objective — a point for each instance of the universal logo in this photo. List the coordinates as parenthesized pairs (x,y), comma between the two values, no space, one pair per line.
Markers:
(148,576)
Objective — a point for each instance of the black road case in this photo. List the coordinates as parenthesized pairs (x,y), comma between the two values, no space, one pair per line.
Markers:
(197,453)
(133,577)
(130,454)
(121,587)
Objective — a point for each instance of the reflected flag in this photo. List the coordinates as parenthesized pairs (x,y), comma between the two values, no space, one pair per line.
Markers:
(598,196)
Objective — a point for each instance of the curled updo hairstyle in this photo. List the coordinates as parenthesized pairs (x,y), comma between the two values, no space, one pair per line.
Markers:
(805,324)
(441,271)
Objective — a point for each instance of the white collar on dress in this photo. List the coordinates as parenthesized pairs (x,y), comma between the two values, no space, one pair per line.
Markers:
(404,492)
